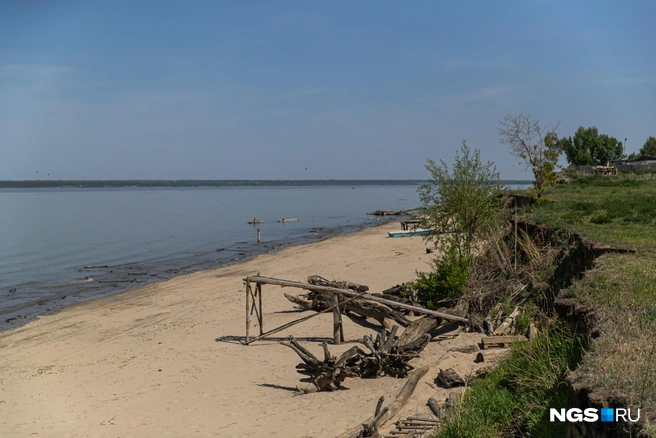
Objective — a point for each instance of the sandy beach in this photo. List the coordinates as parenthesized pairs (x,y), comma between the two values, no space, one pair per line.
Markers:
(164,360)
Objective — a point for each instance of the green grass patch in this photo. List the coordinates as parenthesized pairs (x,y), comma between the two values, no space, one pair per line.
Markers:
(617,211)
(618,280)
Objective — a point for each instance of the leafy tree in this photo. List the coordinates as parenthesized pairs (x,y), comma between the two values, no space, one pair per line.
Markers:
(536,145)
(649,148)
(589,148)
(464,202)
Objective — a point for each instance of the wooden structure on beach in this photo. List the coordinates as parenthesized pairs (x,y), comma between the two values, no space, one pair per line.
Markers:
(339,298)
(410,224)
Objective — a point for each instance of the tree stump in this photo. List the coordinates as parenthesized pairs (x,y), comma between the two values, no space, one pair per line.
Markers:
(450,378)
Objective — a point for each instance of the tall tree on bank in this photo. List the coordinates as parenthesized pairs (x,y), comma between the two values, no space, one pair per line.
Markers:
(649,148)
(536,145)
(589,148)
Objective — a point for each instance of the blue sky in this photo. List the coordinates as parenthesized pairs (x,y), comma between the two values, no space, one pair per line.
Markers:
(346,89)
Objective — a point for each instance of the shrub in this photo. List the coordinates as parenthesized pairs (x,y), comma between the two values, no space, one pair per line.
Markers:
(447,281)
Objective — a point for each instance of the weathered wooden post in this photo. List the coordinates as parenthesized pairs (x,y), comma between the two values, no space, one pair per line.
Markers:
(260,315)
(248,313)
(258,235)
(337,320)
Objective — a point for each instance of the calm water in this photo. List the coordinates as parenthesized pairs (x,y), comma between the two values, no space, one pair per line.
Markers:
(61,246)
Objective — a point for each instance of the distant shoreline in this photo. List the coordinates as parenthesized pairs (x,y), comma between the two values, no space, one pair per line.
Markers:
(77,184)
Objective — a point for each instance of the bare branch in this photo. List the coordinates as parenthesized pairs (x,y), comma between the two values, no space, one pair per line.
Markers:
(526,139)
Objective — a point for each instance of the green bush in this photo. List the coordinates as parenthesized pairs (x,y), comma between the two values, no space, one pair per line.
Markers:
(447,281)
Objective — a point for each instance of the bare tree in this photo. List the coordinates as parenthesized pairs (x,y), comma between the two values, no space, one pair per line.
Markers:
(535,144)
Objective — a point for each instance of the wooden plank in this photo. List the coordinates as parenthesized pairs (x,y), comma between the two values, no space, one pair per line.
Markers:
(501,341)
(350,293)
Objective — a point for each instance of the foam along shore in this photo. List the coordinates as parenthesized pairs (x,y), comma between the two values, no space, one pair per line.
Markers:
(165,359)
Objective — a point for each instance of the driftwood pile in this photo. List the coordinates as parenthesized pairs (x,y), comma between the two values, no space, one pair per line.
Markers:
(386,356)
(318,301)
(401,294)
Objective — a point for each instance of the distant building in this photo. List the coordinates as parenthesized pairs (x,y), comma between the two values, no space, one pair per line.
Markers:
(645,159)
(642,163)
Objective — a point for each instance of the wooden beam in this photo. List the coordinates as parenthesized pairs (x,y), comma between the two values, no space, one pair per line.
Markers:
(350,293)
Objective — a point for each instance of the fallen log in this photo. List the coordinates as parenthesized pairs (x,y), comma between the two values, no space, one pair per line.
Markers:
(320,281)
(468,349)
(400,401)
(306,304)
(418,328)
(366,309)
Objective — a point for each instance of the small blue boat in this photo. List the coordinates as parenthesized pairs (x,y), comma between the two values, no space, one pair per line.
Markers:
(409,233)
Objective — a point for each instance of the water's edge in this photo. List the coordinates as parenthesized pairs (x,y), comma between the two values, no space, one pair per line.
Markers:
(103,281)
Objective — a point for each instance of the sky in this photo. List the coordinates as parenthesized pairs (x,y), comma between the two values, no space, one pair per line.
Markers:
(309,89)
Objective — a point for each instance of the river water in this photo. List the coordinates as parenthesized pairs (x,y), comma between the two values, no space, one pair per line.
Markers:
(62,246)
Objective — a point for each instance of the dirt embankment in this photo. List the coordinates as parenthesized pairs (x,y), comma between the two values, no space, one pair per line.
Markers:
(579,255)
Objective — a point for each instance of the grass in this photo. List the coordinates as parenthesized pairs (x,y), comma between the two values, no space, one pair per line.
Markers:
(513,399)
(620,362)
(618,211)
